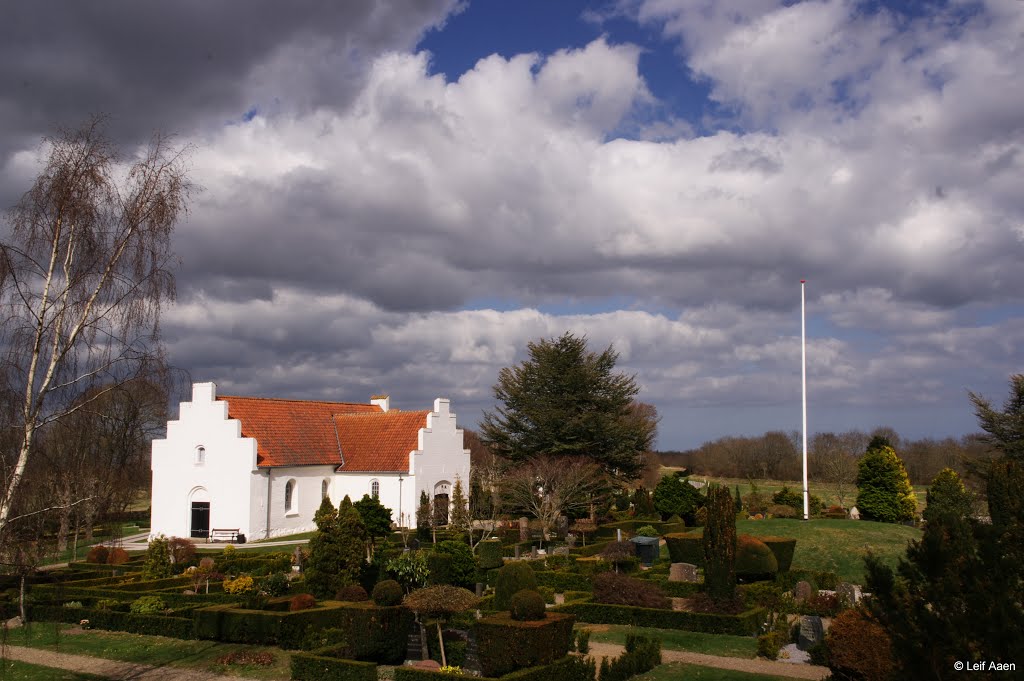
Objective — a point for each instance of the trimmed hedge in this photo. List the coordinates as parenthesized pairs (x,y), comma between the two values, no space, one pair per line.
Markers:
(684,547)
(253,565)
(324,664)
(677,589)
(505,645)
(112,620)
(744,624)
(783,548)
(569,668)
(564,581)
(489,554)
(370,632)
(590,549)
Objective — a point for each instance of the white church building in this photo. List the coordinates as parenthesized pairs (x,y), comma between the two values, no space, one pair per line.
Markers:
(261,466)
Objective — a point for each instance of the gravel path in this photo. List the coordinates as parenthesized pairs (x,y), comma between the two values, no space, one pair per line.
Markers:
(122,671)
(758,666)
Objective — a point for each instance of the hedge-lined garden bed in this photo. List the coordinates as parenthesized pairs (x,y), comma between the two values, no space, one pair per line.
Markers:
(744,624)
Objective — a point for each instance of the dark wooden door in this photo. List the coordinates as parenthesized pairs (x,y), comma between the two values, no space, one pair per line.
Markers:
(200,519)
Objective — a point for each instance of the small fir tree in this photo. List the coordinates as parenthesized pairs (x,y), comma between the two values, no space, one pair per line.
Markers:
(883,487)
(947,494)
(352,542)
(324,552)
(424,517)
(158,558)
(720,545)
(674,495)
(459,519)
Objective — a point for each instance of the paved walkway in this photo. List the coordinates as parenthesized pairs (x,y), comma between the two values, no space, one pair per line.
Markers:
(112,669)
(757,665)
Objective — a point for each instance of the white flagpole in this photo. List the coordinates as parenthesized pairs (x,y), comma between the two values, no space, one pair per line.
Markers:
(803,377)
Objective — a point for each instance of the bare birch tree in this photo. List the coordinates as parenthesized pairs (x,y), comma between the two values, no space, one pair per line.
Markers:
(83,276)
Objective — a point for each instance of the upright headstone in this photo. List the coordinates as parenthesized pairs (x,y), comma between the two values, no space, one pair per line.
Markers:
(297,558)
(517,551)
(682,572)
(618,534)
(854,513)
(802,591)
(850,593)
(560,551)
(524,529)
(562,526)
(811,632)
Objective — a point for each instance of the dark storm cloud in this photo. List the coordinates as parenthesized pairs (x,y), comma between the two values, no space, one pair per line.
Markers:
(188,65)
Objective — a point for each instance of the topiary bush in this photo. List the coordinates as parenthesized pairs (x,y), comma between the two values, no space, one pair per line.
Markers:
(527,606)
(275,585)
(352,593)
(387,593)
(462,569)
(512,578)
(685,548)
(301,602)
(97,554)
(618,589)
(720,545)
(783,548)
(859,648)
(489,554)
(148,605)
(118,556)
(754,560)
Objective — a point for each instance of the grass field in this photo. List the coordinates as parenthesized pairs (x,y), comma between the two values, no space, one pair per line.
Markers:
(21,671)
(836,545)
(674,639)
(822,490)
(156,651)
(692,672)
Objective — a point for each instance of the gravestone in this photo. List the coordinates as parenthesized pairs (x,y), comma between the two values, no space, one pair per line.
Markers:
(414,544)
(854,514)
(297,558)
(414,645)
(533,553)
(517,551)
(562,526)
(682,572)
(560,551)
(570,540)
(472,660)
(524,529)
(811,632)
(802,591)
(851,593)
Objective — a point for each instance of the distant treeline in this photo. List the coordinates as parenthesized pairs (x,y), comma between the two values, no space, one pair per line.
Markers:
(777,455)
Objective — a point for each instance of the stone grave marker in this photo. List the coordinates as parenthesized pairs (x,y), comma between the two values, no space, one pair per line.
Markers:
(802,591)
(562,526)
(851,593)
(812,632)
(854,513)
(682,572)
(524,529)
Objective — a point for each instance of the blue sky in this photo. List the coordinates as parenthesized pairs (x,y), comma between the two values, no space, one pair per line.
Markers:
(408,192)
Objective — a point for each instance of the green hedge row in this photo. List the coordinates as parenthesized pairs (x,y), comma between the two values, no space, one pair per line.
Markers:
(783,548)
(590,549)
(564,581)
(569,668)
(323,664)
(505,645)
(112,620)
(744,624)
(370,632)
(265,564)
(173,600)
(685,548)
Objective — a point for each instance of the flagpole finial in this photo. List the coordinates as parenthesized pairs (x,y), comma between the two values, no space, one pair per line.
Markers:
(803,281)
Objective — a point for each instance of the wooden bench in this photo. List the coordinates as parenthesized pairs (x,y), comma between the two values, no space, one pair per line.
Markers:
(223,535)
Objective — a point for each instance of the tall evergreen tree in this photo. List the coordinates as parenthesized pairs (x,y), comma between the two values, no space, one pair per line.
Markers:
(375,516)
(883,487)
(1004,430)
(720,545)
(352,543)
(324,552)
(459,518)
(959,595)
(568,401)
(424,517)
(947,494)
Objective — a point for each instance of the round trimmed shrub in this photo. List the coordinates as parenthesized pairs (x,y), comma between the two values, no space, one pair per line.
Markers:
(301,602)
(754,560)
(148,605)
(387,593)
(527,606)
(512,578)
(783,548)
(352,593)
(489,554)
(117,556)
(97,554)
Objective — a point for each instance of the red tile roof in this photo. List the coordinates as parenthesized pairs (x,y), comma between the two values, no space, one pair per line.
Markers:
(300,433)
(379,442)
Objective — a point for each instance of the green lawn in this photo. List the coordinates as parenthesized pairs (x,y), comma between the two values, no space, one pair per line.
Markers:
(22,671)
(674,639)
(692,672)
(821,490)
(836,545)
(157,651)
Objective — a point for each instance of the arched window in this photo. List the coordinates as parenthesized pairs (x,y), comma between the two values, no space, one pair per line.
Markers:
(374,488)
(289,496)
(323,489)
(200,455)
